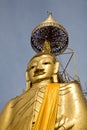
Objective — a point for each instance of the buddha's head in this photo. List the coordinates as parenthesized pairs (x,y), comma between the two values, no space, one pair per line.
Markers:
(43,66)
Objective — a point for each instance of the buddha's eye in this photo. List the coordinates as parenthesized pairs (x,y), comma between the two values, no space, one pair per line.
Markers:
(32,67)
(46,63)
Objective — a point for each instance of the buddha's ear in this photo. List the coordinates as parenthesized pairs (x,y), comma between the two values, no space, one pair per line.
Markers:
(56,67)
(55,73)
(28,83)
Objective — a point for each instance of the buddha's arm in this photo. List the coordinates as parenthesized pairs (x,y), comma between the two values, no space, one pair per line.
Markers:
(73,108)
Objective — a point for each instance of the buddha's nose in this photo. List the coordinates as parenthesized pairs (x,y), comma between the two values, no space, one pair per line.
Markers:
(39,66)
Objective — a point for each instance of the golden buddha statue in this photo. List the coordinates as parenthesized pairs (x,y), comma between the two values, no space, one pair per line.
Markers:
(47,103)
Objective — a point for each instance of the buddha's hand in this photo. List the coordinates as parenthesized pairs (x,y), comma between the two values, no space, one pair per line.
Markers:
(64,123)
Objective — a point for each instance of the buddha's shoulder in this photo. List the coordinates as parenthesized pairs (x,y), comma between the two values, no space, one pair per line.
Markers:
(8,108)
(19,100)
(9,105)
(12,102)
(73,84)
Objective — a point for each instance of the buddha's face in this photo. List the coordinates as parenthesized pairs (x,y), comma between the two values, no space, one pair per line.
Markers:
(40,68)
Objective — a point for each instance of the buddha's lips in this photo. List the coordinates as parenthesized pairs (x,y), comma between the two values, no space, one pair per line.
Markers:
(39,72)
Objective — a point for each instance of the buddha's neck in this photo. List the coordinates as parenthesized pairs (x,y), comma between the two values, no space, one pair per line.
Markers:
(42,83)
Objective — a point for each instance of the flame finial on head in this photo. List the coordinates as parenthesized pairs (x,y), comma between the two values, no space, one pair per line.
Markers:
(46,47)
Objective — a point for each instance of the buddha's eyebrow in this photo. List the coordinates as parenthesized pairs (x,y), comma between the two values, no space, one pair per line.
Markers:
(32,63)
(46,62)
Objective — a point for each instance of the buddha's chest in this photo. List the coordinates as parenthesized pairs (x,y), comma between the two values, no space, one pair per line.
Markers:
(64,96)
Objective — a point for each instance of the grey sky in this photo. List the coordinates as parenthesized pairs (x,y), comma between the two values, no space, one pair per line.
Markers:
(17,20)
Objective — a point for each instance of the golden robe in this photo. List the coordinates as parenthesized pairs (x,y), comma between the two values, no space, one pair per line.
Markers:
(21,112)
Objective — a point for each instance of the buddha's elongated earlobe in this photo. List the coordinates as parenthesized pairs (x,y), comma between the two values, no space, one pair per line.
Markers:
(28,82)
(56,67)
(55,78)
(55,74)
